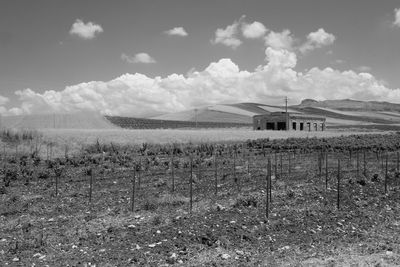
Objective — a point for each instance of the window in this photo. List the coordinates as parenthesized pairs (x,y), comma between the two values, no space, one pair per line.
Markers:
(301,126)
(270,126)
(322,127)
(315,127)
(308,126)
(281,125)
(294,126)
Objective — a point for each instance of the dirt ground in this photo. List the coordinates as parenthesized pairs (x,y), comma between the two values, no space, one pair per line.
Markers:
(304,226)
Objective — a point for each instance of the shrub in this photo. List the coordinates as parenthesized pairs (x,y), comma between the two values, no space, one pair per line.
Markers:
(149,205)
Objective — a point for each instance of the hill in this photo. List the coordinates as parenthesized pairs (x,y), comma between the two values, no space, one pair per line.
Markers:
(345,113)
(339,113)
(87,120)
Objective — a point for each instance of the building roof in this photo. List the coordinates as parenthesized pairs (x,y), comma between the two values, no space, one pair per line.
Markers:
(292,115)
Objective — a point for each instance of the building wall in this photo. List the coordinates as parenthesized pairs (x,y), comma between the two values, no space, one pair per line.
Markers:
(294,123)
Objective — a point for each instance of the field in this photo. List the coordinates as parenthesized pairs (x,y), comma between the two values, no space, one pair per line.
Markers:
(270,202)
(76,139)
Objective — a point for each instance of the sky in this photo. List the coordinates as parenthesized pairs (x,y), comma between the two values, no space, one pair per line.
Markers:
(138,58)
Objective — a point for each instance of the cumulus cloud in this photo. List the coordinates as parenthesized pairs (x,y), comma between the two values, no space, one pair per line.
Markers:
(396,21)
(179,31)
(3,100)
(228,36)
(85,30)
(280,40)
(138,58)
(220,82)
(254,30)
(364,68)
(317,39)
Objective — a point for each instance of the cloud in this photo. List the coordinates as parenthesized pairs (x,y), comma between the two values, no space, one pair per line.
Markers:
(339,61)
(220,82)
(3,100)
(254,30)
(396,21)
(364,68)
(228,36)
(317,39)
(280,40)
(85,30)
(138,58)
(180,31)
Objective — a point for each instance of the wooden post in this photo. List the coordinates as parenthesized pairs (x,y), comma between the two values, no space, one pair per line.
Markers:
(358,164)
(248,165)
(398,161)
(276,166)
(56,185)
(267,191)
(326,170)
(234,168)
(319,155)
(289,168)
(133,189)
(270,180)
(338,185)
(281,165)
(386,173)
(139,173)
(350,158)
(191,185)
(172,173)
(90,185)
(216,173)
(365,165)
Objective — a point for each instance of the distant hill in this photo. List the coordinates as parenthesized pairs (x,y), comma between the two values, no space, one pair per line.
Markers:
(349,104)
(87,120)
(344,113)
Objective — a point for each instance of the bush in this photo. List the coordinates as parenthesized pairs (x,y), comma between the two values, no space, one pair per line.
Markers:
(246,201)
(149,205)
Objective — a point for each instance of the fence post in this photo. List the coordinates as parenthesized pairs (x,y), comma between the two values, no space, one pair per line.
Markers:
(281,164)
(289,165)
(270,180)
(90,184)
(267,190)
(138,172)
(319,155)
(191,185)
(358,164)
(398,161)
(350,158)
(56,185)
(216,173)
(338,185)
(326,170)
(365,165)
(133,189)
(276,165)
(386,173)
(234,167)
(172,173)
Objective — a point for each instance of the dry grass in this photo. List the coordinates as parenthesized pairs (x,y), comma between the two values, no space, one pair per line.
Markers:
(73,140)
